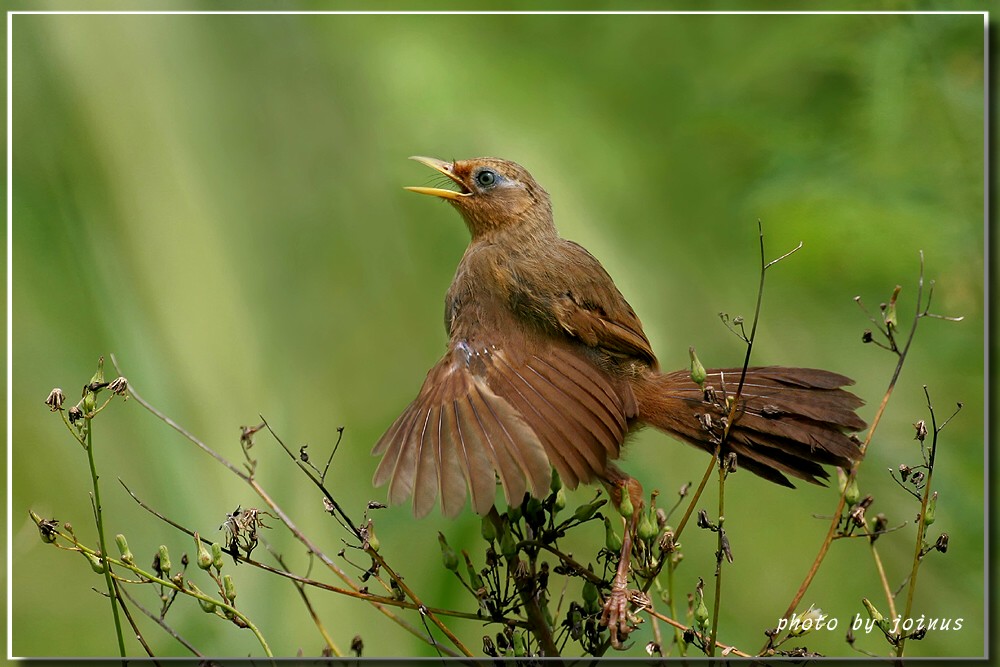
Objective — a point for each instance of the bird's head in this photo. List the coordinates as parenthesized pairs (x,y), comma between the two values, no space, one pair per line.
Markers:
(493,195)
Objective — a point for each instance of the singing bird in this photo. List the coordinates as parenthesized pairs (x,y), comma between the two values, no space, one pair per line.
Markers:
(547,366)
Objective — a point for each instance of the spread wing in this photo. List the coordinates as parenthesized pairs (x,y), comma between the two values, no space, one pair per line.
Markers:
(484,412)
(577,296)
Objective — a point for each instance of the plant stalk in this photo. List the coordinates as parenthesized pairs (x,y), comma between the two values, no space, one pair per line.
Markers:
(719,557)
(921,530)
(99,517)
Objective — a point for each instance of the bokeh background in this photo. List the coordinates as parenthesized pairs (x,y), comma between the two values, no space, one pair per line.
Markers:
(217,200)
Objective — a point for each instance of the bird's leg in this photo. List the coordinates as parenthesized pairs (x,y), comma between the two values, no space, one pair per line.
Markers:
(616,608)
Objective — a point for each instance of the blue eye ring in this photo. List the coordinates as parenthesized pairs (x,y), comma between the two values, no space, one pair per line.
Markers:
(486,178)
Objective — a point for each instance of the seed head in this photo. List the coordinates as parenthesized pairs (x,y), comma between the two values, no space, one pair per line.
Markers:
(75,414)
(55,399)
(119,387)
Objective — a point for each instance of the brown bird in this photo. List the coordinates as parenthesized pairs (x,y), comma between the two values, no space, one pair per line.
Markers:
(548,367)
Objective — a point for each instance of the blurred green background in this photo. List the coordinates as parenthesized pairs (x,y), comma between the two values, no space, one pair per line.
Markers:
(218,201)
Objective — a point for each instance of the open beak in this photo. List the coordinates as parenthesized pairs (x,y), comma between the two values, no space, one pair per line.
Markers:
(446,169)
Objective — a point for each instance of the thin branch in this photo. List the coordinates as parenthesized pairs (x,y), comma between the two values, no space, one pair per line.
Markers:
(722,551)
(787,254)
(828,540)
(131,621)
(349,592)
(333,452)
(726,650)
(99,520)
(694,498)
(319,483)
(889,598)
(300,587)
(162,623)
(371,552)
(764,265)
(301,537)
(149,577)
(420,606)
(918,551)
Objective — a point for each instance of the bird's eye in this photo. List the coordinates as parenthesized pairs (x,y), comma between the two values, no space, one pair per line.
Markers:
(486,178)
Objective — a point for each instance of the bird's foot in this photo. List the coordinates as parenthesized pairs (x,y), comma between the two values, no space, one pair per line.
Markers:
(618,616)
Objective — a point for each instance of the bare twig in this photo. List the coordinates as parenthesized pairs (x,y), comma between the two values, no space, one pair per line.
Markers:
(889,597)
(921,311)
(131,621)
(319,482)
(726,650)
(162,623)
(317,621)
(301,537)
(371,552)
(99,520)
(733,414)
(349,592)
(922,519)
(175,584)
(720,555)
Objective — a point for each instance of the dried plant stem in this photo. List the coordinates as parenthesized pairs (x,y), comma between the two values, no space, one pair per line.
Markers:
(889,597)
(678,634)
(719,557)
(831,531)
(149,577)
(728,650)
(697,494)
(541,629)
(333,567)
(921,526)
(163,624)
(285,519)
(349,592)
(99,518)
(764,266)
(317,621)
(731,419)
(841,502)
(131,622)
(424,610)
(375,556)
(746,364)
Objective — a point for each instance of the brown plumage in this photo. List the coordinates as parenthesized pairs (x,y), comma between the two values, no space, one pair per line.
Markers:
(548,366)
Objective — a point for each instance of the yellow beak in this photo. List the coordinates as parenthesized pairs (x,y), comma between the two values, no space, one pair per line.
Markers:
(446,169)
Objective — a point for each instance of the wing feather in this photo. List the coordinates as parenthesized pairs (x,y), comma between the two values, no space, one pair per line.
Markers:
(511,474)
(561,415)
(425,481)
(484,412)
(452,474)
(405,466)
(588,377)
(571,466)
(523,446)
(478,459)
(599,419)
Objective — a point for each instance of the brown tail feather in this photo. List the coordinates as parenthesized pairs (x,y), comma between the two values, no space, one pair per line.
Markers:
(790,421)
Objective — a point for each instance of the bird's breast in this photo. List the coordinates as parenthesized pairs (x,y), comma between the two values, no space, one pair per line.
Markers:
(478,303)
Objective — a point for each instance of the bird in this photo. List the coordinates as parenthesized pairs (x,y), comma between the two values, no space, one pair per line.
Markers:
(547,367)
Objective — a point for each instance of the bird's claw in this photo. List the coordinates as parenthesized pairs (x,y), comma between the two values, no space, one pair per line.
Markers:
(617,615)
